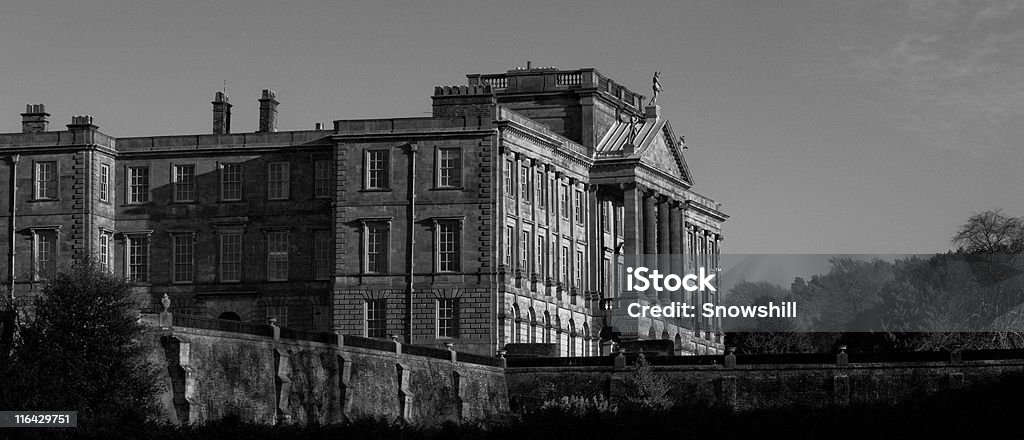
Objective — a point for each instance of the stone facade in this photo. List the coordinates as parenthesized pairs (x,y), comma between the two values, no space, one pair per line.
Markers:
(502,218)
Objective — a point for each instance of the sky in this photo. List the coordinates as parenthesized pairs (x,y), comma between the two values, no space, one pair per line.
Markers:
(822,126)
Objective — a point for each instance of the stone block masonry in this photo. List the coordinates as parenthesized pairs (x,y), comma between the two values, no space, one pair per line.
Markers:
(211,374)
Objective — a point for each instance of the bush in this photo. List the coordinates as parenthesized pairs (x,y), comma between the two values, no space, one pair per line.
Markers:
(579,406)
(646,390)
(78,350)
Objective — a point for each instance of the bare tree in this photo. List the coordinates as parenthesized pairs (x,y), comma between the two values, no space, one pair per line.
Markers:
(991,232)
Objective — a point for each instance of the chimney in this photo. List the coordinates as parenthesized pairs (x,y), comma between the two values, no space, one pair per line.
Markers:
(221,114)
(82,122)
(469,101)
(34,120)
(268,112)
(319,126)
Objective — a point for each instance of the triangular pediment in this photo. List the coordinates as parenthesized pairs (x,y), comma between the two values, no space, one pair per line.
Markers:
(663,150)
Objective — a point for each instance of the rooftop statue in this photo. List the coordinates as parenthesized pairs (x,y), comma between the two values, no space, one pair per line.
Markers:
(656,87)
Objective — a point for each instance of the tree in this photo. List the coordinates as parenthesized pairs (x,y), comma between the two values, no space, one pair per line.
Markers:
(78,350)
(991,232)
(645,389)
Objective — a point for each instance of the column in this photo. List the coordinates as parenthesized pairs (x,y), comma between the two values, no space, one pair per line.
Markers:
(663,242)
(676,239)
(595,241)
(631,228)
(650,226)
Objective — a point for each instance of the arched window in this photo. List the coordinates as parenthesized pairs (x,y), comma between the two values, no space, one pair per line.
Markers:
(533,326)
(558,333)
(572,337)
(547,327)
(515,323)
(586,339)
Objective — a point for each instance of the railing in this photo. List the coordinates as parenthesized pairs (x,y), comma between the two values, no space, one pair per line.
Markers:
(497,82)
(478,359)
(569,79)
(369,343)
(223,325)
(435,353)
(777,359)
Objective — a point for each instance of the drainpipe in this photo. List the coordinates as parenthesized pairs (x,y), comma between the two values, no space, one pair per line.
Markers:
(411,149)
(14,210)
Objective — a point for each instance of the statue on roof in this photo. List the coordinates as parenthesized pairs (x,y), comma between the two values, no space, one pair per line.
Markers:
(656,87)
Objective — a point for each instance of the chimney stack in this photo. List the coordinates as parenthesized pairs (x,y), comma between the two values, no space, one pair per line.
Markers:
(268,112)
(34,120)
(221,114)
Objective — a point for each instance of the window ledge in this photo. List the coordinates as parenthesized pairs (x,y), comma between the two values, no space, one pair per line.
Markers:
(35,200)
(368,190)
(448,188)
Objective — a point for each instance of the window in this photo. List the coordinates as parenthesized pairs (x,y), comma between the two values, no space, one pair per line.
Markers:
(564,201)
(322,178)
(104,254)
(376,319)
(539,187)
(323,254)
(572,337)
(524,183)
(449,167)
(377,169)
(524,251)
(231,181)
(138,184)
(376,247)
(184,183)
(551,259)
(138,258)
(277,255)
(277,180)
(104,183)
(447,324)
(619,223)
(279,313)
(448,246)
(577,206)
(45,252)
(604,217)
(509,189)
(510,232)
(578,270)
(538,259)
(46,180)
(564,265)
(182,248)
(532,335)
(606,268)
(231,257)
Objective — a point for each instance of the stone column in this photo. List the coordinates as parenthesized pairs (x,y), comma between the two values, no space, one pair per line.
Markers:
(631,215)
(594,242)
(650,226)
(663,242)
(676,239)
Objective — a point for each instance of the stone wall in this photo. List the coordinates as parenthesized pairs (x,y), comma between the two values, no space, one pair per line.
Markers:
(211,374)
(804,381)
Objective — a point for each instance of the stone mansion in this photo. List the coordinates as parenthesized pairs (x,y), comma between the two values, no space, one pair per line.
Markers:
(505,217)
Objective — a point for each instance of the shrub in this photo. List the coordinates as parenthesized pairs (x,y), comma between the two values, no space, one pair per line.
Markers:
(579,406)
(646,390)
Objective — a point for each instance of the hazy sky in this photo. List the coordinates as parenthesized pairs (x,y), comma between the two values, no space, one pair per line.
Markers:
(822,126)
